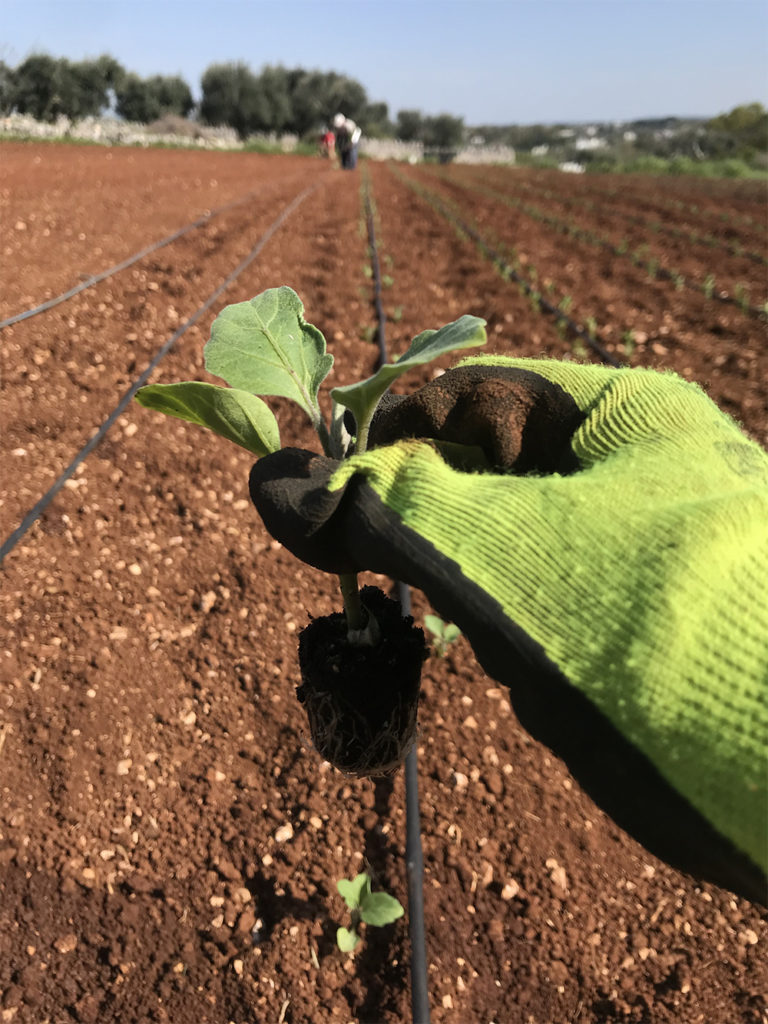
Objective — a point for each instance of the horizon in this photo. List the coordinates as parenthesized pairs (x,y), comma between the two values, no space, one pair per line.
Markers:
(491,62)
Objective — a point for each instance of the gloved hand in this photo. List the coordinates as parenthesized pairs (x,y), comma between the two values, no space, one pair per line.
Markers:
(607,564)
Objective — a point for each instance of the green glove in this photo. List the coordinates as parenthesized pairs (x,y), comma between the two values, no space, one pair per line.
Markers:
(623,604)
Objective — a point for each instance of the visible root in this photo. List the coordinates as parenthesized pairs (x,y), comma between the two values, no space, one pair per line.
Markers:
(344,737)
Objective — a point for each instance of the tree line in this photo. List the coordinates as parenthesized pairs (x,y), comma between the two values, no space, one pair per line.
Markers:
(276,99)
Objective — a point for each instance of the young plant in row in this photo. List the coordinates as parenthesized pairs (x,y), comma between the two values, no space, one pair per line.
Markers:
(374,909)
(443,633)
(265,348)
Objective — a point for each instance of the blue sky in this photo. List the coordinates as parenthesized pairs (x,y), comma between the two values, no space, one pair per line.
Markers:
(488,61)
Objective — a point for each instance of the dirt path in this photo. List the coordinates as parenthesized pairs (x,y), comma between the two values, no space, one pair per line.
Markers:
(169,841)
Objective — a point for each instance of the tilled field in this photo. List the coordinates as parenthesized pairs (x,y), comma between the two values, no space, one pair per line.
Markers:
(169,841)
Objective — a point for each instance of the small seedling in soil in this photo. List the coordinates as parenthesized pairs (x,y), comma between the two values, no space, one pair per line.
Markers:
(371,908)
(628,340)
(265,347)
(443,634)
(741,295)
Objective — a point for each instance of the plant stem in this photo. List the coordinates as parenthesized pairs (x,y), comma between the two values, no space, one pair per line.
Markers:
(353,609)
(361,444)
(325,438)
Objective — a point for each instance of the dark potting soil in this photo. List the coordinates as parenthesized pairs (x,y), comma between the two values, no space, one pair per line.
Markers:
(362,700)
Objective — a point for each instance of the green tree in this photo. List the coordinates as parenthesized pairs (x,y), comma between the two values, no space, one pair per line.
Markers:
(171,94)
(87,85)
(7,86)
(741,132)
(410,124)
(146,99)
(443,132)
(374,120)
(47,87)
(133,100)
(35,87)
(318,95)
(275,108)
(232,96)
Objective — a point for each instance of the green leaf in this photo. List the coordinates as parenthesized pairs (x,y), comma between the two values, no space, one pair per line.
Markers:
(354,890)
(379,908)
(434,624)
(361,399)
(451,633)
(237,415)
(346,939)
(266,346)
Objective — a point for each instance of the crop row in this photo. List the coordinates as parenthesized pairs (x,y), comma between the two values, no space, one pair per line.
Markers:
(596,208)
(553,280)
(722,206)
(542,295)
(738,291)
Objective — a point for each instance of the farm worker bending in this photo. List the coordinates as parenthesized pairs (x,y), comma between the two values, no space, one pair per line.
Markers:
(347,140)
(603,544)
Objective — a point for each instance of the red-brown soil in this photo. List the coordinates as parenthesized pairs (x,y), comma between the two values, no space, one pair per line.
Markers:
(169,841)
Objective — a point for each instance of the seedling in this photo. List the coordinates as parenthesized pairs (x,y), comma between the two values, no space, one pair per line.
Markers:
(371,908)
(265,347)
(628,340)
(741,295)
(443,633)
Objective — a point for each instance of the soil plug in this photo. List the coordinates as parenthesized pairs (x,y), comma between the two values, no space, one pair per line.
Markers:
(362,700)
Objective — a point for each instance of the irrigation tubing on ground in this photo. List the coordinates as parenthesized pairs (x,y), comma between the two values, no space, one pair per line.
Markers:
(34,513)
(414,858)
(414,862)
(124,264)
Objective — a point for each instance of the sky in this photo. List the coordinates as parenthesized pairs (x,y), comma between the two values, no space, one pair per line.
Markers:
(487,61)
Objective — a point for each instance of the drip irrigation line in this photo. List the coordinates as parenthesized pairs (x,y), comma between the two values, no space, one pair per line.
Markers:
(34,513)
(124,264)
(414,858)
(414,863)
(378,303)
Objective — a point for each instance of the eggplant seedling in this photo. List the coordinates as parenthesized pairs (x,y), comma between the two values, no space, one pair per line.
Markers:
(371,908)
(443,633)
(264,347)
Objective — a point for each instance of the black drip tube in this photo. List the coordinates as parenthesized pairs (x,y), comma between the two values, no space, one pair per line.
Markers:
(36,511)
(124,264)
(414,858)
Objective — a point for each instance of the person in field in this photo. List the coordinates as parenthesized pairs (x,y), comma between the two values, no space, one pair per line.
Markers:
(347,140)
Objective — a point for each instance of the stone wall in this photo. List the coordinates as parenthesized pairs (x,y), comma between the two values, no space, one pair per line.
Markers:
(180,132)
